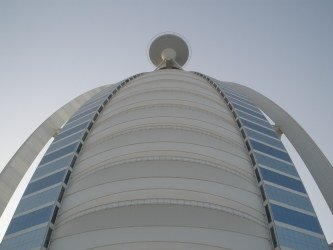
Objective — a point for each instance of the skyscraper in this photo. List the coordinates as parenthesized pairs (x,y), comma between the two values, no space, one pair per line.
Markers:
(168,159)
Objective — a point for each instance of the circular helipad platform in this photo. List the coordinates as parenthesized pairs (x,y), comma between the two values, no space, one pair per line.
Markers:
(169,47)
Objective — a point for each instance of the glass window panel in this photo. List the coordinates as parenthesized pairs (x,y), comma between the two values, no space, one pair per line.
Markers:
(82,112)
(282,180)
(99,100)
(90,106)
(29,240)
(236,96)
(60,138)
(259,128)
(299,241)
(261,137)
(276,164)
(38,199)
(270,151)
(251,118)
(65,133)
(31,219)
(66,141)
(295,218)
(234,92)
(45,182)
(50,167)
(77,122)
(238,107)
(244,104)
(289,198)
(59,153)
(77,116)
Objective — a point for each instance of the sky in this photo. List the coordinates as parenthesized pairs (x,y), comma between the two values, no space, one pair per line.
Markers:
(53,51)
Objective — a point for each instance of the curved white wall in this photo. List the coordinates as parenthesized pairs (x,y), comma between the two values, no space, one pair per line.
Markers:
(164,167)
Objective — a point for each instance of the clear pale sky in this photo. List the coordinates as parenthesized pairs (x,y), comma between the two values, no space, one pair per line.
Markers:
(52,51)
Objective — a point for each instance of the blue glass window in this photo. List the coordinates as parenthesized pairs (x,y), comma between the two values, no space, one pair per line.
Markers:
(270,151)
(299,241)
(60,138)
(289,198)
(295,218)
(98,100)
(259,128)
(66,141)
(77,122)
(76,117)
(267,139)
(45,182)
(52,166)
(251,118)
(83,110)
(38,199)
(61,152)
(30,240)
(282,180)
(88,111)
(74,130)
(238,107)
(89,106)
(31,219)
(233,95)
(276,164)
(102,95)
(248,106)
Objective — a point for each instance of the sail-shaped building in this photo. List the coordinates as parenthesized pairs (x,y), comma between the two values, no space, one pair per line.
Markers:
(168,159)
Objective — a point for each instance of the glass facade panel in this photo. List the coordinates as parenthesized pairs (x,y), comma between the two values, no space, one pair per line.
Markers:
(86,107)
(103,95)
(259,115)
(295,218)
(276,164)
(261,137)
(58,164)
(259,128)
(244,104)
(270,151)
(30,219)
(299,241)
(58,138)
(251,118)
(233,95)
(72,130)
(78,116)
(66,141)
(29,240)
(61,152)
(38,199)
(45,182)
(289,198)
(98,100)
(85,118)
(282,180)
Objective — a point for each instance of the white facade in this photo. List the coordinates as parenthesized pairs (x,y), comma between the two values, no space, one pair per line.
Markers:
(164,167)
(175,160)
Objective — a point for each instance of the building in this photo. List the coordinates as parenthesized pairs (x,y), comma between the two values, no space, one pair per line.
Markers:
(168,159)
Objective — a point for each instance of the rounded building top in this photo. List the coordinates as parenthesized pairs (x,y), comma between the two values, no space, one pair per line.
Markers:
(168,51)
